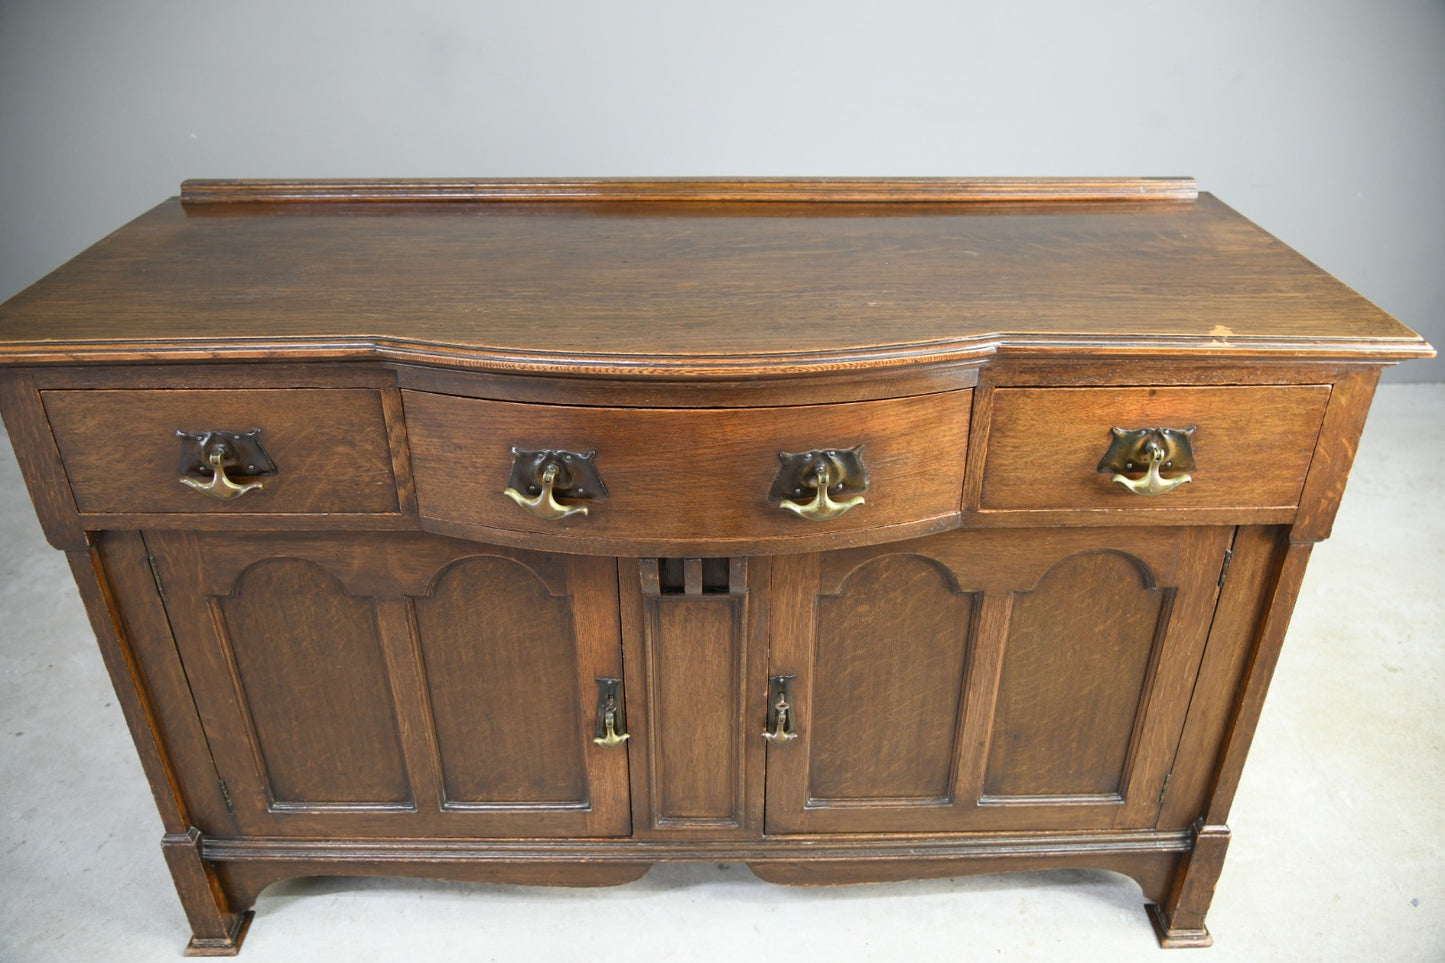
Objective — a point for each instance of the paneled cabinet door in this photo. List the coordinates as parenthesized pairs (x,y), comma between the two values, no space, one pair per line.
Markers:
(986,679)
(396,683)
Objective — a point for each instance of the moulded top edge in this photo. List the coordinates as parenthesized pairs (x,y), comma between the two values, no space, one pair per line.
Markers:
(705,189)
(696,367)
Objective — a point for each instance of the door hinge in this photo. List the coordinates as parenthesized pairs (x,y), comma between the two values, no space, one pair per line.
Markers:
(226,795)
(156,574)
(1165,788)
(1224,570)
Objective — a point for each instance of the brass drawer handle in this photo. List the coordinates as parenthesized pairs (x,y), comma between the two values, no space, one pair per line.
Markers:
(1150,450)
(206,456)
(611,724)
(780,728)
(540,477)
(828,472)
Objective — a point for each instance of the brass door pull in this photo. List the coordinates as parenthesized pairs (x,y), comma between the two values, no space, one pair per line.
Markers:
(780,728)
(827,472)
(539,477)
(611,725)
(1150,450)
(206,455)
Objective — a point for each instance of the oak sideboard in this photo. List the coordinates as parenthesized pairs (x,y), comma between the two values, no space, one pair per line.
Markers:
(540,531)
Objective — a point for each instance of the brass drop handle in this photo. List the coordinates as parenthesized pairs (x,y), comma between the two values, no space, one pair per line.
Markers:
(822,507)
(824,471)
(1153,483)
(780,728)
(205,454)
(548,473)
(544,505)
(1153,450)
(611,726)
(219,486)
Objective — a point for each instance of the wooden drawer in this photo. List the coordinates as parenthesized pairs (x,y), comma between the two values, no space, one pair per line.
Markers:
(121,454)
(1252,445)
(686,475)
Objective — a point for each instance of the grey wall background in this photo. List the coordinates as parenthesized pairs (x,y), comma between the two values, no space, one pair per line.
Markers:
(1323,120)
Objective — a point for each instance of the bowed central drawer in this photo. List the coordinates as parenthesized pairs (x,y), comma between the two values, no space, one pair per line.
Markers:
(688,475)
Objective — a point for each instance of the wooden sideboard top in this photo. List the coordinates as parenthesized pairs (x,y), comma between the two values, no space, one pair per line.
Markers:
(692,278)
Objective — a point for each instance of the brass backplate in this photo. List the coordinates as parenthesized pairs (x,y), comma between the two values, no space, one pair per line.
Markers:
(1130,450)
(576,474)
(797,478)
(241,453)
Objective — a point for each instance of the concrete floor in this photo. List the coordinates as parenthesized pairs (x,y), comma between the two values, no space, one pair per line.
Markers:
(1339,827)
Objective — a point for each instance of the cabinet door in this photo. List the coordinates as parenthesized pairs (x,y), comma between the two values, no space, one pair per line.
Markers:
(385,683)
(988,679)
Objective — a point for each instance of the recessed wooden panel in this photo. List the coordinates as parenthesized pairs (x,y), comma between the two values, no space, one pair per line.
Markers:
(889,655)
(121,454)
(500,657)
(1075,663)
(468,636)
(310,665)
(1052,679)
(687,474)
(1252,448)
(695,650)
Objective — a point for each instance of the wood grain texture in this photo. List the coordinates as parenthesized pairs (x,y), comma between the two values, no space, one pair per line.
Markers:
(1252,448)
(699,475)
(1335,452)
(122,455)
(39,460)
(1249,698)
(889,654)
(315,686)
(140,611)
(695,646)
(500,652)
(129,684)
(217,926)
(1242,601)
(307,657)
(1179,920)
(704,189)
(1075,665)
(331,708)
(715,290)
(753,392)
(243,881)
(1152,871)
(1127,739)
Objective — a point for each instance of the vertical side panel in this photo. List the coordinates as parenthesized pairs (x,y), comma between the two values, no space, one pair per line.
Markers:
(1334,453)
(39,459)
(1242,606)
(139,610)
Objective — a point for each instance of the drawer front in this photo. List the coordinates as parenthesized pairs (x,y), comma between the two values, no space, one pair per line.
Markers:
(328,447)
(1252,446)
(687,475)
